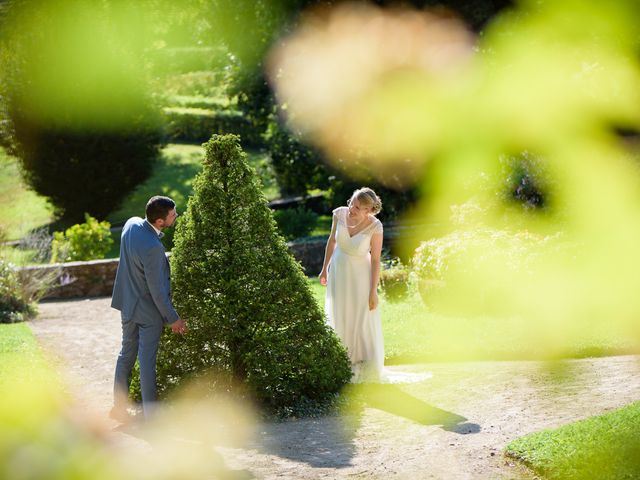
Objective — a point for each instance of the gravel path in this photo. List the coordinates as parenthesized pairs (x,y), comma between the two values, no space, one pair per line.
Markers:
(451,426)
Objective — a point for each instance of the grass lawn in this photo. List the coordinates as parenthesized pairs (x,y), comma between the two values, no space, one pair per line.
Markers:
(20,356)
(412,334)
(605,447)
(402,323)
(173,176)
(24,210)
(323,227)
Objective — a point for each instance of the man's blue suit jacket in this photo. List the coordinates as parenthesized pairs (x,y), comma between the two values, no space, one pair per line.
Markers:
(143,278)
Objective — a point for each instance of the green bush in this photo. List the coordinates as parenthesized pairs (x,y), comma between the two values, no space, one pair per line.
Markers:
(465,252)
(85,241)
(13,306)
(252,317)
(394,282)
(298,167)
(195,101)
(197,124)
(295,222)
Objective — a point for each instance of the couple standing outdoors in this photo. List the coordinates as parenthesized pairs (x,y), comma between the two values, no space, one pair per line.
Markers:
(142,293)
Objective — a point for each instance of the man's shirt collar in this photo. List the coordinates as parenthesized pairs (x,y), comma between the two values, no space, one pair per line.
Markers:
(159,232)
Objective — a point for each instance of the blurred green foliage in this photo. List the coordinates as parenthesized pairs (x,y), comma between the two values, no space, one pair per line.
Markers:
(546,84)
(394,281)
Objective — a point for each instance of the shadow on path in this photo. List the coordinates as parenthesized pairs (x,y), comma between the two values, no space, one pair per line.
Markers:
(187,451)
(328,442)
(391,399)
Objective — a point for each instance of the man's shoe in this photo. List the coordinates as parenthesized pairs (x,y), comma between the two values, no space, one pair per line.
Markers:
(120,414)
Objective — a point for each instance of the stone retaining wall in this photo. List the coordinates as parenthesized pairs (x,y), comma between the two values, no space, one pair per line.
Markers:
(95,278)
(78,279)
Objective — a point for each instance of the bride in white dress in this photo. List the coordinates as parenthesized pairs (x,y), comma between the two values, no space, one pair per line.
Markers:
(351,272)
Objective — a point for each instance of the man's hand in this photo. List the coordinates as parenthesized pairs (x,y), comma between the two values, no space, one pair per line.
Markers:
(179,326)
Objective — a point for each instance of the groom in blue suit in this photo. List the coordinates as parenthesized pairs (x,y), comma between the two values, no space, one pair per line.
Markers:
(142,293)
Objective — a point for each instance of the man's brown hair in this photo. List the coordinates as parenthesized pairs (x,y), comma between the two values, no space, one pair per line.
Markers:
(158,207)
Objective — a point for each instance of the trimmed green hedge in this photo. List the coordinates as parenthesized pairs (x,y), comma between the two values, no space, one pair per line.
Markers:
(177,60)
(253,320)
(199,101)
(195,125)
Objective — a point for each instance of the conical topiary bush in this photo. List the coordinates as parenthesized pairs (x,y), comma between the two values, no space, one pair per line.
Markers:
(251,314)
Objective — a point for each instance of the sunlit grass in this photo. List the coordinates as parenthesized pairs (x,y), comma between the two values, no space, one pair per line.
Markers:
(199,101)
(23,209)
(173,176)
(323,227)
(18,256)
(606,447)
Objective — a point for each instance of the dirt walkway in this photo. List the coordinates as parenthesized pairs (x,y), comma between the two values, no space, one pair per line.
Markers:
(452,426)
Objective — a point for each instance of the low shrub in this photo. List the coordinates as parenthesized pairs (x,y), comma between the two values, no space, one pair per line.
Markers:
(14,307)
(84,241)
(295,222)
(297,166)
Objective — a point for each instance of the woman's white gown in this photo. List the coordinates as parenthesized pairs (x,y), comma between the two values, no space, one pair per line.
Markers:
(347,300)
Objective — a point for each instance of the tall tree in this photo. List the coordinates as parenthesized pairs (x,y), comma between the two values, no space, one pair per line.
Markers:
(74,93)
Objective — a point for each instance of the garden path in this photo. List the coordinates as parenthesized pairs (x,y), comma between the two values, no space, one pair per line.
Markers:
(451,426)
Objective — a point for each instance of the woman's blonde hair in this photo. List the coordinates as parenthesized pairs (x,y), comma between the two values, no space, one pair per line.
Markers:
(369,198)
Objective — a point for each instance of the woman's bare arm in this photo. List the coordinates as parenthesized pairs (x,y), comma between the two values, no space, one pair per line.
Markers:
(376,253)
(328,252)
